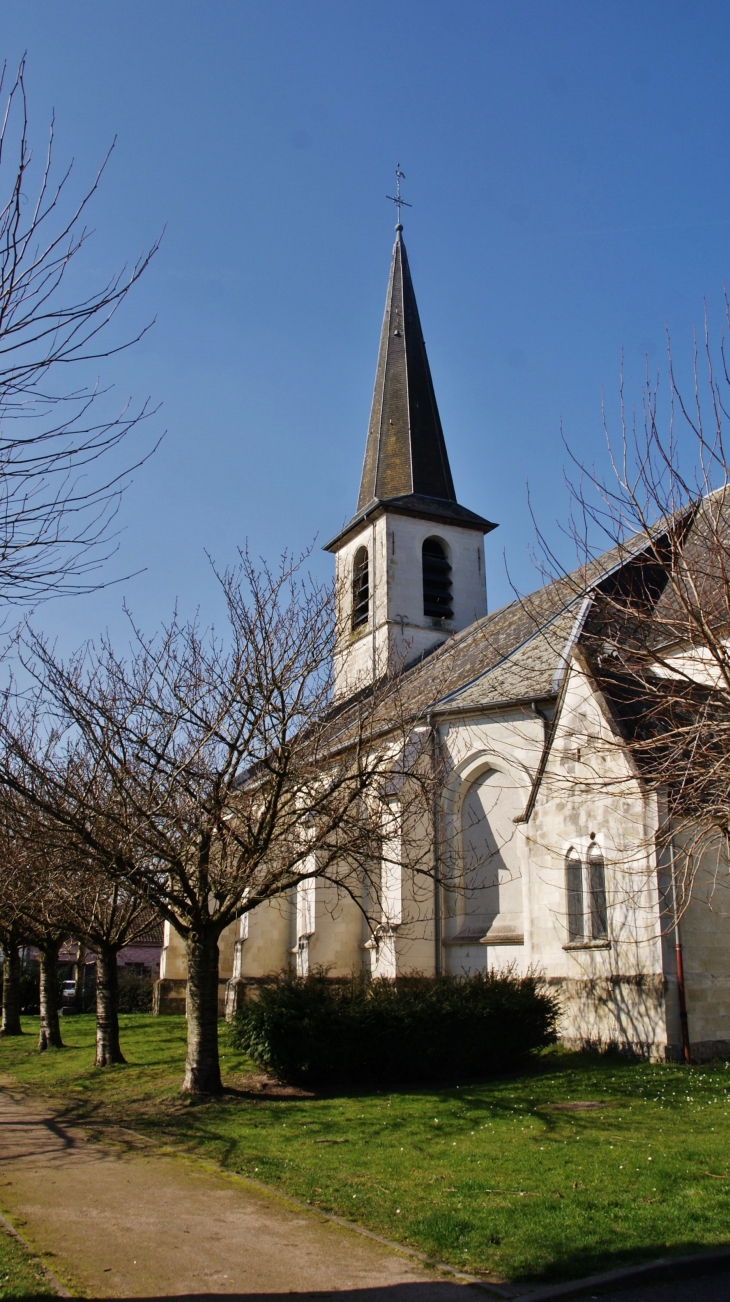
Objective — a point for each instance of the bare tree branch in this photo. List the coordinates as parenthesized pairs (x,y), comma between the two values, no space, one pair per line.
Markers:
(56,511)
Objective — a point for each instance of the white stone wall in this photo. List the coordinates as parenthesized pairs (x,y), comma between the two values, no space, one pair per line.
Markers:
(491,759)
(613,990)
(336,942)
(173,960)
(704,928)
(263,939)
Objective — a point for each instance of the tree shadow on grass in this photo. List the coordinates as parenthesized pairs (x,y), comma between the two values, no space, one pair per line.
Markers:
(651,1262)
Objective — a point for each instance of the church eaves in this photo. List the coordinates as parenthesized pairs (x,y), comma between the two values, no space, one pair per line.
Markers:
(406,465)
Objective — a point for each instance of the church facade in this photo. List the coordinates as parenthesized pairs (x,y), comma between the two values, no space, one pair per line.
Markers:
(543,844)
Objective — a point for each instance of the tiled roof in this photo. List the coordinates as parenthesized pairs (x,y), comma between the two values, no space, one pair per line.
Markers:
(529,671)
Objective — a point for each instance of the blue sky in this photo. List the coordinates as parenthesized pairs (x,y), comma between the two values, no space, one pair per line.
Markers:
(568,169)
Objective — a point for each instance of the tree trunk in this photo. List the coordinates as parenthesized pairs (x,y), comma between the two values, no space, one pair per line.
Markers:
(80,978)
(202,1069)
(11,990)
(50,1029)
(107,1008)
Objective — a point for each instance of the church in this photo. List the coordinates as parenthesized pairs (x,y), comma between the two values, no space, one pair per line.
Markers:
(538,867)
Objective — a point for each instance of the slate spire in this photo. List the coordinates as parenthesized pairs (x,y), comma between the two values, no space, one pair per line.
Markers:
(406,469)
(405,452)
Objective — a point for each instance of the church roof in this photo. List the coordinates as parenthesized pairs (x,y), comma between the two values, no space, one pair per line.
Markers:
(406,466)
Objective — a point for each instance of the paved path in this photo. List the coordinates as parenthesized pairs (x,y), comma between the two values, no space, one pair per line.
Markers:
(122,1220)
(118,1223)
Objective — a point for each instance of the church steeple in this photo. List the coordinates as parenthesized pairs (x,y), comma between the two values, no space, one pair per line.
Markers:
(410,563)
(406,467)
(405,451)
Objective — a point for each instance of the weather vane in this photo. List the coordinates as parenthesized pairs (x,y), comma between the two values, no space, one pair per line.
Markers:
(396,198)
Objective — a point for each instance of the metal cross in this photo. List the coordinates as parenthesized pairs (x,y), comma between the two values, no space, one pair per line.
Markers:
(396,198)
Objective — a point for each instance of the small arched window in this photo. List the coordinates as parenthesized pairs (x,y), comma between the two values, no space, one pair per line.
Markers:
(360,588)
(436,580)
(574,894)
(597,894)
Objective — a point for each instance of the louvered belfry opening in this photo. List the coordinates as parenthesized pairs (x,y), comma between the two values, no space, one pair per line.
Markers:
(360,588)
(436,581)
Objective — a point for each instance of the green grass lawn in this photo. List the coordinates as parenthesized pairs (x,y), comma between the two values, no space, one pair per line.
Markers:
(20,1274)
(494,1177)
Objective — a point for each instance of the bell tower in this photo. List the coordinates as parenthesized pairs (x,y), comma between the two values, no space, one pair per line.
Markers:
(410,563)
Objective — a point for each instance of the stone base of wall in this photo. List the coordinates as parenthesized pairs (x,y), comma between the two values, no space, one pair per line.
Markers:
(624,1014)
(647,1051)
(706,1050)
(170,996)
(239,990)
(656,1051)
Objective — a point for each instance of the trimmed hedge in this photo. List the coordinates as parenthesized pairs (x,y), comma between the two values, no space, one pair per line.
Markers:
(318,1031)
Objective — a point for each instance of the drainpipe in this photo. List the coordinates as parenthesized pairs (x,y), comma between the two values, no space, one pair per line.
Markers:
(436,825)
(681,991)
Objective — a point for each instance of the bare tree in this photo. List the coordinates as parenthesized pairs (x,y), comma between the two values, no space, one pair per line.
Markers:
(49,943)
(30,910)
(57,505)
(64,886)
(80,977)
(10,940)
(228,775)
(653,538)
(12,936)
(31,885)
(106,916)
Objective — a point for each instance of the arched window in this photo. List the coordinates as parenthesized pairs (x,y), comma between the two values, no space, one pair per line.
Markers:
(597,894)
(360,588)
(436,580)
(574,894)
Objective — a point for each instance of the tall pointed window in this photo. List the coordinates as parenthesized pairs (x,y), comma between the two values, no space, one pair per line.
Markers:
(436,581)
(574,894)
(585,891)
(360,588)
(597,894)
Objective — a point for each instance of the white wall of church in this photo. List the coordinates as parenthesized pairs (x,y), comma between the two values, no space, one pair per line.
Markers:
(173,960)
(591,801)
(485,866)
(263,939)
(704,926)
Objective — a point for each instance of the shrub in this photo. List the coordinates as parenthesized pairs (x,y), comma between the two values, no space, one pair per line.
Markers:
(135,992)
(29,993)
(320,1031)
